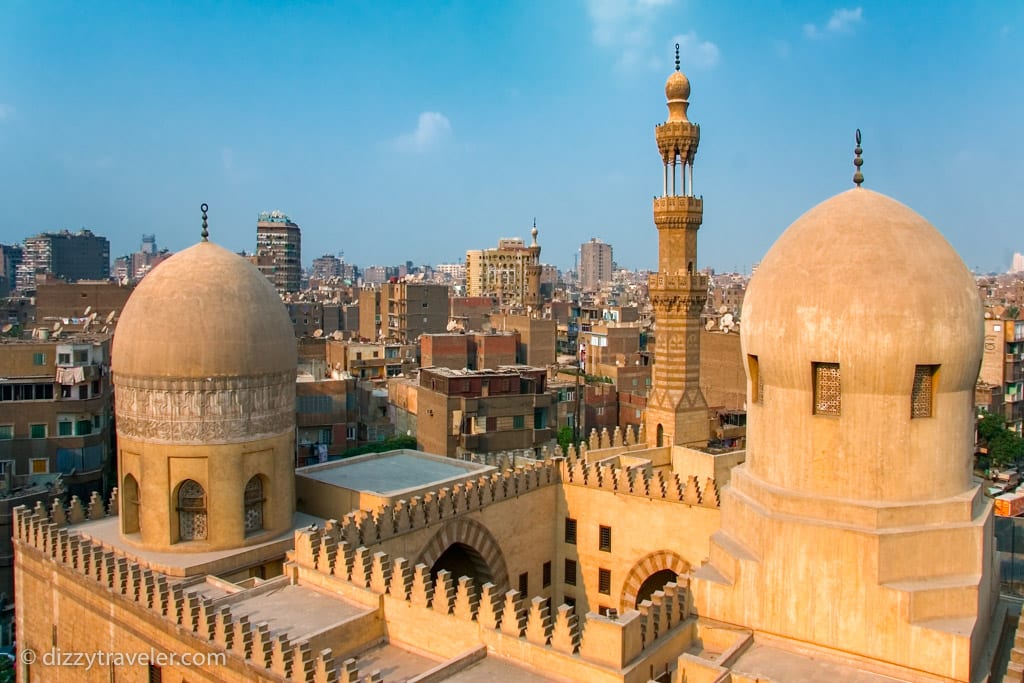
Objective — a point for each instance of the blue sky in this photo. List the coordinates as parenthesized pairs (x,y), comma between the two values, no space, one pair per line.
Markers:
(395,131)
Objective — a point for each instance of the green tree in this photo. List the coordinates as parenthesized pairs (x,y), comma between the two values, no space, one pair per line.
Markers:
(1005,447)
(565,438)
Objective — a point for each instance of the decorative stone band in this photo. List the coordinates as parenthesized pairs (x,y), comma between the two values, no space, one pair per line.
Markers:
(211,410)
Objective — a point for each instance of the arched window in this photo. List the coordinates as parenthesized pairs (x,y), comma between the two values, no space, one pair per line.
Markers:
(129,495)
(661,436)
(192,524)
(254,504)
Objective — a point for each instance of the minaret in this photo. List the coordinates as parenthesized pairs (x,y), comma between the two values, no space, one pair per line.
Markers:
(677,413)
(533,269)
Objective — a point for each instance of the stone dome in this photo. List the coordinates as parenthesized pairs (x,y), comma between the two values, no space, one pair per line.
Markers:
(864,282)
(204,312)
(677,87)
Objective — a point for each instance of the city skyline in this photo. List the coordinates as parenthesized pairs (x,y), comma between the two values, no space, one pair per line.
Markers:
(408,132)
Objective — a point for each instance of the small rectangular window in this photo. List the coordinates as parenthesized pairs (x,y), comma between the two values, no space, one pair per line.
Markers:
(518,422)
(40,465)
(37,431)
(524,583)
(63,359)
(604,581)
(570,530)
(81,357)
(922,393)
(155,674)
(605,539)
(6,432)
(827,389)
(546,575)
(39,359)
(570,572)
(756,382)
(65,428)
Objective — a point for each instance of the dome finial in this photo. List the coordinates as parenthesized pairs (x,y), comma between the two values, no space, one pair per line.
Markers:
(206,233)
(533,233)
(858,177)
(677,56)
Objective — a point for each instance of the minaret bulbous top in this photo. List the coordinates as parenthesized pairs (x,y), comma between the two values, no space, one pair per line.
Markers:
(677,92)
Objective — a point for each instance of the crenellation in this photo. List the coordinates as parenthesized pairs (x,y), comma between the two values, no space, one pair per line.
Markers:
(538,622)
(191,611)
(113,505)
(324,668)
(361,567)
(303,662)
(604,441)
(343,561)
(207,628)
(307,547)
(349,672)
(96,510)
(467,602)
(76,513)
(261,645)
(661,609)
(692,493)
(565,633)
(401,579)
(281,653)
(444,593)
(489,614)
(223,629)
(327,554)
(120,571)
(594,440)
(380,572)
(513,619)
(422,591)
(350,530)
(177,605)
(402,516)
(710,498)
(648,625)
(243,639)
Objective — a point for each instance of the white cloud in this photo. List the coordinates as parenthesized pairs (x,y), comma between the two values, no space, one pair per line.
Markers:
(627,27)
(842,21)
(6,111)
(432,128)
(696,53)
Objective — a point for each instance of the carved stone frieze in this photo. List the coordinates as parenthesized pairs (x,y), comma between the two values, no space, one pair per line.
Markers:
(218,409)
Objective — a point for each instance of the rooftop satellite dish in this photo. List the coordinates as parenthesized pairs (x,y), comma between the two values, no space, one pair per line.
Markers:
(85,327)
(92,316)
(709,325)
(56,326)
(105,329)
(337,335)
(7,328)
(110,317)
(318,333)
(723,309)
(727,323)
(87,310)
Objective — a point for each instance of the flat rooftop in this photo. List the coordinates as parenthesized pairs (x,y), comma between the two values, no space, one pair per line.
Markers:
(393,472)
(781,665)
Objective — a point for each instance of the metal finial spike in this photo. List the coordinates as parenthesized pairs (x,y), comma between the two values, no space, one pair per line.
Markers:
(858,177)
(535,221)
(206,233)
(677,56)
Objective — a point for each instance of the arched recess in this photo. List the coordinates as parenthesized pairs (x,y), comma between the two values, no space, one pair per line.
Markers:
(255,495)
(661,436)
(660,560)
(191,507)
(472,535)
(129,495)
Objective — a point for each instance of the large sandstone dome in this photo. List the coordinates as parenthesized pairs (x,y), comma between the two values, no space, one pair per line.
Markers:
(864,282)
(204,312)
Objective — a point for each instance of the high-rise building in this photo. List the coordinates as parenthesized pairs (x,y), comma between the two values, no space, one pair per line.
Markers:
(69,256)
(510,273)
(10,258)
(1018,263)
(677,413)
(595,264)
(326,266)
(279,250)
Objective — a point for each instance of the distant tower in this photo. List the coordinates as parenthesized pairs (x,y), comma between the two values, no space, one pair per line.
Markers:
(676,410)
(595,264)
(531,295)
(279,250)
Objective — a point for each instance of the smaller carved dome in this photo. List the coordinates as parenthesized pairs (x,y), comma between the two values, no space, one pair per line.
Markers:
(677,87)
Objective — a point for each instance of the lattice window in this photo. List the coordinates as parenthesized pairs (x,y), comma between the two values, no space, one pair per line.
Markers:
(604,540)
(192,524)
(921,394)
(570,572)
(570,530)
(756,380)
(254,504)
(827,389)
(604,581)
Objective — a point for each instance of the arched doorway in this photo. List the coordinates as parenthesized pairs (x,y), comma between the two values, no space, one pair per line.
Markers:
(661,436)
(462,560)
(650,574)
(129,495)
(466,548)
(654,582)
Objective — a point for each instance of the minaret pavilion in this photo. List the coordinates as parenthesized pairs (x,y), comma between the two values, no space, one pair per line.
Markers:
(533,270)
(677,413)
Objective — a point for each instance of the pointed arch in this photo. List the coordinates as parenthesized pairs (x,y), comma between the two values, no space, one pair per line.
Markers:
(648,566)
(474,535)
